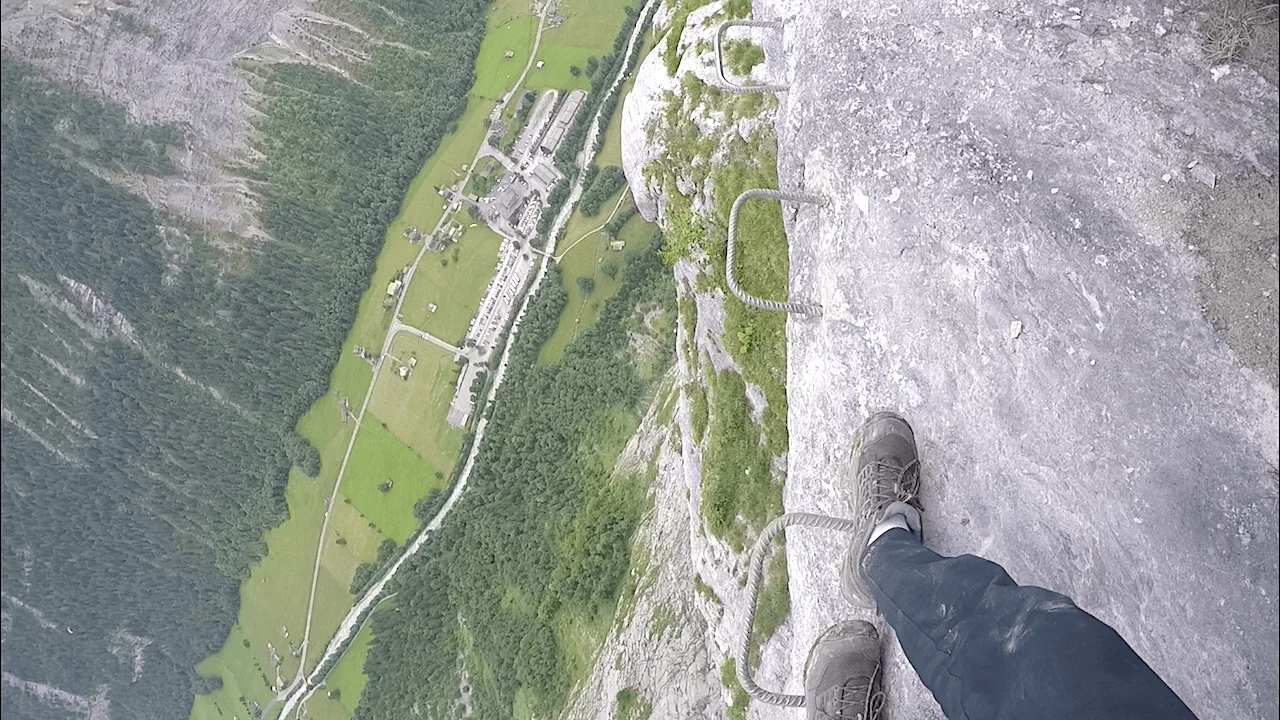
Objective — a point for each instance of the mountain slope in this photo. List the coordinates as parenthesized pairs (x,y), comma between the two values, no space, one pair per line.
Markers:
(155,355)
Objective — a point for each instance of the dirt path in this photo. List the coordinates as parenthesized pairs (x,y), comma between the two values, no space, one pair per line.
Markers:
(589,233)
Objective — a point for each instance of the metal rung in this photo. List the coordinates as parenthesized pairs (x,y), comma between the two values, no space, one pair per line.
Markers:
(730,254)
(729,85)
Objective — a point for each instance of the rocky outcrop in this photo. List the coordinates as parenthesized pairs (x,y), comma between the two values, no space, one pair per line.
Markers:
(662,648)
(168,62)
(643,123)
(641,144)
(670,646)
(175,63)
(1017,196)
(694,582)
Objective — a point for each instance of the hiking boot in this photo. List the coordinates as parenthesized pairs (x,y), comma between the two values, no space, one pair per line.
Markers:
(884,466)
(842,674)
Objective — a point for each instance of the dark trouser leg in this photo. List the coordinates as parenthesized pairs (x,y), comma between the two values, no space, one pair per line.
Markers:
(989,648)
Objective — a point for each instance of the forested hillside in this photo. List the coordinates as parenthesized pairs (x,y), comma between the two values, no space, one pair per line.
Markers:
(530,565)
(152,372)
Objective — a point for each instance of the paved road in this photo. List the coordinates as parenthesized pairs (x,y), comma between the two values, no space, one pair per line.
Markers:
(485,148)
(493,152)
(471,355)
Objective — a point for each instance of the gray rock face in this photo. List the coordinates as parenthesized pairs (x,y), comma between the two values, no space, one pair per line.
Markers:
(1023,163)
(642,137)
(639,146)
(671,645)
(173,62)
(1018,197)
(663,649)
(169,62)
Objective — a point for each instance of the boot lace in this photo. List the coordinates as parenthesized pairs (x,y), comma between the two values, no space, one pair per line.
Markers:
(885,481)
(851,702)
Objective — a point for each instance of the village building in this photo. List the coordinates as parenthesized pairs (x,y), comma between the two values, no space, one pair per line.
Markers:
(561,122)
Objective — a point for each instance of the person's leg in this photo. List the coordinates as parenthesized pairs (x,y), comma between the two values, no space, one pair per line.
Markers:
(987,647)
(983,645)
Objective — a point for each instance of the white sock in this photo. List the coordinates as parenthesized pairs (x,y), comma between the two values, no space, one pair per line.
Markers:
(887,524)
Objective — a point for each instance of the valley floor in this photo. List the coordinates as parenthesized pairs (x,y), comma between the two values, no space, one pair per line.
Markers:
(384,429)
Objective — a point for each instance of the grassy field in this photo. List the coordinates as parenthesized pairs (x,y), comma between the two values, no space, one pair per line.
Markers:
(379,455)
(589,258)
(579,225)
(347,679)
(414,409)
(510,27)
(270,601)
(581,636)
(274,597)
(454,281)
(588,31)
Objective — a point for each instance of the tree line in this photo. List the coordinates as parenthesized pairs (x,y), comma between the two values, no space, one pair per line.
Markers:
(606,182)
(541,539)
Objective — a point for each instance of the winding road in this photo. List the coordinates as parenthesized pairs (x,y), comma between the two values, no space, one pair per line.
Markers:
(621,199)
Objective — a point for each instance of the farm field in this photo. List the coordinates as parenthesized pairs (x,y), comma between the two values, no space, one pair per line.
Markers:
(414,409)
(588,31)
(272,598)
(378,456)
(346,681)
(588,258)
(454,281)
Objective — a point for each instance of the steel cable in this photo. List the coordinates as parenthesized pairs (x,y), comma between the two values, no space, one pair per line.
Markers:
(755,574)
(729,85)
(731,252)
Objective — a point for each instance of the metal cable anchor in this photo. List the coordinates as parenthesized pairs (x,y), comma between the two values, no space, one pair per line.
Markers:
(731,251)
(729,85)
(755,575)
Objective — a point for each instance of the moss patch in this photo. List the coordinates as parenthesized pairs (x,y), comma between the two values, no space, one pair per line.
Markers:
(706,590)
(741,56)
(675,28)
(698,411)
(738,698)
(631,705)
(738,489)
